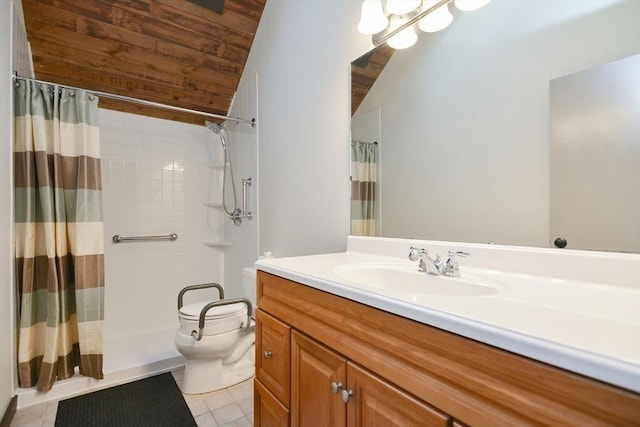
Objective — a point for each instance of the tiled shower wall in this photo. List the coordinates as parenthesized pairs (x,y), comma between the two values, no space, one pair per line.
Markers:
(155,182)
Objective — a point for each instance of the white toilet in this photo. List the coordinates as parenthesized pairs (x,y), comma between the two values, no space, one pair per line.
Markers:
(222,352)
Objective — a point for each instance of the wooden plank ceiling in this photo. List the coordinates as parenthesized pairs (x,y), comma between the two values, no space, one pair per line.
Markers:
(173,52)
(364,72)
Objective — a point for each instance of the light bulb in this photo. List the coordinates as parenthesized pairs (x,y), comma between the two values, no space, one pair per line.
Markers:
(405,38)
(468,5)
(437,20)
(372,18)
(400,7)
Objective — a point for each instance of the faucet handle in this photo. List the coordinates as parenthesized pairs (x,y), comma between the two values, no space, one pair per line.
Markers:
(452,268)
(414,253)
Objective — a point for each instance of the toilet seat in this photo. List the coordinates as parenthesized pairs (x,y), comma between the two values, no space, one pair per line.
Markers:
(191,311)
(218,320)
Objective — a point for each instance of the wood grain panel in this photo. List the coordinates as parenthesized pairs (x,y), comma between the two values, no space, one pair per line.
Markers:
(273,355)
(379,404)
(313,368)
(267,410)
(166,51)
(364,72)
(475,383)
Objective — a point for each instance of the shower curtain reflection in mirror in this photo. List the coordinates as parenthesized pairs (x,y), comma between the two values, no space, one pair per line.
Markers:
(363,187)
(59,236)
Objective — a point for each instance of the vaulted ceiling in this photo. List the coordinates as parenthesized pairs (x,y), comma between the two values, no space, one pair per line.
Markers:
(173,52)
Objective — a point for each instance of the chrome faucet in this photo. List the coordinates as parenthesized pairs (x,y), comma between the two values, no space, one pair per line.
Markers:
(435,265)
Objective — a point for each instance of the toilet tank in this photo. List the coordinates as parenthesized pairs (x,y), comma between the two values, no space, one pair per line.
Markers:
(249,284)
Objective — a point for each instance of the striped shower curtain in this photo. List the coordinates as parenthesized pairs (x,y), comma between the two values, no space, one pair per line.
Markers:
(58,234)
(363,187)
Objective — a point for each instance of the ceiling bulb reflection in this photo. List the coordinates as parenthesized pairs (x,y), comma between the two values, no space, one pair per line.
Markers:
(400,7)
(437,20)
(405,38)
(372,17)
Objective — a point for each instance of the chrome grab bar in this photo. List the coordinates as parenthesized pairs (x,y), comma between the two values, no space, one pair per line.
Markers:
(245,204)
(245,328)
(118,238)
(196,287)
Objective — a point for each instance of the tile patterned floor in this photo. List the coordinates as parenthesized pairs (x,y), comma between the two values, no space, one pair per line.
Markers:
(231,407)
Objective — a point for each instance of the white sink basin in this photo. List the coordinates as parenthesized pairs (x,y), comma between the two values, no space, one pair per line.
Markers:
(407,281)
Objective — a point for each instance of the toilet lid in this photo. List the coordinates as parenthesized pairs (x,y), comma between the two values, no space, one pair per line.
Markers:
(222,311)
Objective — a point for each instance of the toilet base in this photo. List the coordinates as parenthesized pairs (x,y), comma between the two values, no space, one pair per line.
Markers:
(205,376)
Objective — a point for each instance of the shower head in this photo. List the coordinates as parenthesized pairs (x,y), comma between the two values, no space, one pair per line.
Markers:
(214,127)
(217,129)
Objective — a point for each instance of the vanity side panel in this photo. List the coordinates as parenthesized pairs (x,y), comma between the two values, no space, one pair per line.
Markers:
(474,382)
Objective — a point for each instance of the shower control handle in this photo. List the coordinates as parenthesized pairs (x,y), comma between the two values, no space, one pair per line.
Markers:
(267,354)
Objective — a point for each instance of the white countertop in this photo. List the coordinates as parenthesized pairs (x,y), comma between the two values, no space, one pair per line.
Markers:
(586,327)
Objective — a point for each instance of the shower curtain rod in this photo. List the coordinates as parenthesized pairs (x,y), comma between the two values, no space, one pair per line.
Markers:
(251,122)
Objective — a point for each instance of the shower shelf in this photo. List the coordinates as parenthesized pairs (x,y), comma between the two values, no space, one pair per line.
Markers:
(213,204)
(217,244)
(214,165)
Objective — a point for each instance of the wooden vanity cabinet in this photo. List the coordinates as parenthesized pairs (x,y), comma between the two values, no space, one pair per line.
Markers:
(395,371)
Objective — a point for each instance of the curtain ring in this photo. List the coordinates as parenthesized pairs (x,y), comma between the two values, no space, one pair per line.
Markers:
(72,93)
(91,97)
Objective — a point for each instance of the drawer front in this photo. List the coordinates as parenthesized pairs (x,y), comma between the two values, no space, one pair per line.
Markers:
(273,355)
(268,411)
(377,403)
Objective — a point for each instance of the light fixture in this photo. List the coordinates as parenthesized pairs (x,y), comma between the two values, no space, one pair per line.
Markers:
(437,20)
(398,27)
(400,7)
(405,38)
(372,18)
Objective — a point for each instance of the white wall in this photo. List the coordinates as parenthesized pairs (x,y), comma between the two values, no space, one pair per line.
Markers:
(6,206)
(243,142)
(155,182)
(14,56)
(457,164)
(301,54)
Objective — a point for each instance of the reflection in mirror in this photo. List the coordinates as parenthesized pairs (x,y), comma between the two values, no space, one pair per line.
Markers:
(595,157)
(462,121)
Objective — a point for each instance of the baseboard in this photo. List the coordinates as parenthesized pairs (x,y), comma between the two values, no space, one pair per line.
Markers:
(78,385)
(10,412)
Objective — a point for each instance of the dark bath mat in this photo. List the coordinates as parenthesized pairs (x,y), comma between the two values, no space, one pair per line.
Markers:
(155,401)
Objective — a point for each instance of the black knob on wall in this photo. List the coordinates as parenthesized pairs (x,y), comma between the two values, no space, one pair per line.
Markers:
(560,242)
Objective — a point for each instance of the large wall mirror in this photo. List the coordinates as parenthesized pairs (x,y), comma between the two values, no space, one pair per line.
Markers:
(484,134)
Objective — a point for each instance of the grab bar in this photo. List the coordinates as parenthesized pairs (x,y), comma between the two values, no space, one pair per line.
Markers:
(195,287)
(245,328)
(119,239)
(245,204)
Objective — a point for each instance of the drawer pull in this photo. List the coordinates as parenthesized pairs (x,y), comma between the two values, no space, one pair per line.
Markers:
(346,395)
(267,354)
(335,387)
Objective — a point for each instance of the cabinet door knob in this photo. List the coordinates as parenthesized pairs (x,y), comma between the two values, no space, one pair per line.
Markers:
(346,395)
(267,354)
(335,387)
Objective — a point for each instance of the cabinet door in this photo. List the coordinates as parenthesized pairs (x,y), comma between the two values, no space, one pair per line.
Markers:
(376,403)
(267,410)
(314,368)
(273,352)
